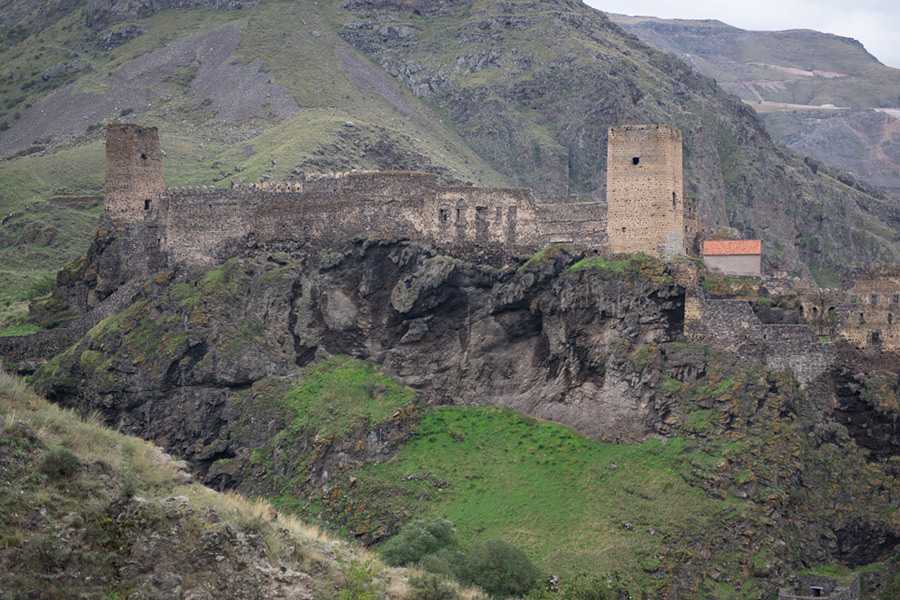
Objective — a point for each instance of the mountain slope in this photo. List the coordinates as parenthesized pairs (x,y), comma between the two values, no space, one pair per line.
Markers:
(795,67)
(788,77)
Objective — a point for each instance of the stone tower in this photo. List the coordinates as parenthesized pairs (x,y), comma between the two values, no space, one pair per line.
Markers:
(645,190)
(134,173)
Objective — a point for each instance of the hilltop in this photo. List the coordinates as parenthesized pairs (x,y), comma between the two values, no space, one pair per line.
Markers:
(817,93)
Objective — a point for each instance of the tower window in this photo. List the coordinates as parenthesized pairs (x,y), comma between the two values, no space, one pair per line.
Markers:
(146,204)
(674,198)
(143,156)
(635,160)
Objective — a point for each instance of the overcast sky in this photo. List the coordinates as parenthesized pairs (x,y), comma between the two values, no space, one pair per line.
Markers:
(875,23)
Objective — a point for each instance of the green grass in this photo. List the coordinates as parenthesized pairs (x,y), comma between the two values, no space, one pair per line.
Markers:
(826,277)
(572,503)
(342,392)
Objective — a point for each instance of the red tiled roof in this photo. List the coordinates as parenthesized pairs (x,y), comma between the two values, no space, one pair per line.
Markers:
(731,247)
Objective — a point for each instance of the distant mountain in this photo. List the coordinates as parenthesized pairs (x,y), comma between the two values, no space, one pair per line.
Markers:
(816,91)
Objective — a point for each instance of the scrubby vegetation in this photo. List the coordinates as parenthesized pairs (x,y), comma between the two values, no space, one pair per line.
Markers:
(87,512)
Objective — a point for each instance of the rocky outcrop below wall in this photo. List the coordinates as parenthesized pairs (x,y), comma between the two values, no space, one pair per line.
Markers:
(32,350)
(541,337)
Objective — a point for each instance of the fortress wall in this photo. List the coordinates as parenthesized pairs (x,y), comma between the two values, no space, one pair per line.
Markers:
(578,223)
(645,190)
(731,325)
(470,215)
(198,222)
(865,315)
(870,314)
(327,219)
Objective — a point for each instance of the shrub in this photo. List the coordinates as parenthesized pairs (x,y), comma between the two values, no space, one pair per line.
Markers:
(59,463)
(361,580)
(448,562)
(42,286)
(500,569)
(417,539)
(429,586)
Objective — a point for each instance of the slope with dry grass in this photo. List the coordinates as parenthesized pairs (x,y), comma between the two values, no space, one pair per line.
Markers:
(87,512)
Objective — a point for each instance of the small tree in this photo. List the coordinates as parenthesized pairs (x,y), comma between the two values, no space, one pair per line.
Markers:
(500,569)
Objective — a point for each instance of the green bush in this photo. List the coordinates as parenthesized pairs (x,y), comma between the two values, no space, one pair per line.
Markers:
(417,539)
(429,586)
(59,463)
(500,569)
(361,580)
(449,562)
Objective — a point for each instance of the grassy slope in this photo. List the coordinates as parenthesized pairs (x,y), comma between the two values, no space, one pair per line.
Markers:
(573,503)
(112,468)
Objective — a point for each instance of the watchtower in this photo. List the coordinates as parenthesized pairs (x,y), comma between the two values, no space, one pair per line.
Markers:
(645,190)
(134,172)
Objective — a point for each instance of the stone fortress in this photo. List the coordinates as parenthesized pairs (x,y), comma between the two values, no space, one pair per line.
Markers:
(193,226)
(645,211)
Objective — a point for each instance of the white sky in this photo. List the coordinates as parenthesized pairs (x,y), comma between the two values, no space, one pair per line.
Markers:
(875,23)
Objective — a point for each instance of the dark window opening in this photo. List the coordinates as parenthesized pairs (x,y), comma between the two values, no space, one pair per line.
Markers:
(444,215)
(146,204)
(635,160)
(890,318)
(623,230)
(815,310)
(874,299)
(458,214)
(674,198)
(895,298)
(862,319)
(876,338)
(143,156)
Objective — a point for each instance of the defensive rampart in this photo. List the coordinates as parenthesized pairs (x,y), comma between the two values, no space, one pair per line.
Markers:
(733,326)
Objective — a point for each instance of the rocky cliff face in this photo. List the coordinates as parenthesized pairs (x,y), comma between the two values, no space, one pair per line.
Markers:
(217,367)
(544,338)
(103,13)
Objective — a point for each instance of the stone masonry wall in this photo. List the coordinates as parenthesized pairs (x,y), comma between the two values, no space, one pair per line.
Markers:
(731,325)
(573,222)
(826,588)
(865,315)
(134,172)
(645,190)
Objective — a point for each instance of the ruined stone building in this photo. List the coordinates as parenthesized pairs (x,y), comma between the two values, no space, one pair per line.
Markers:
(168,227)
